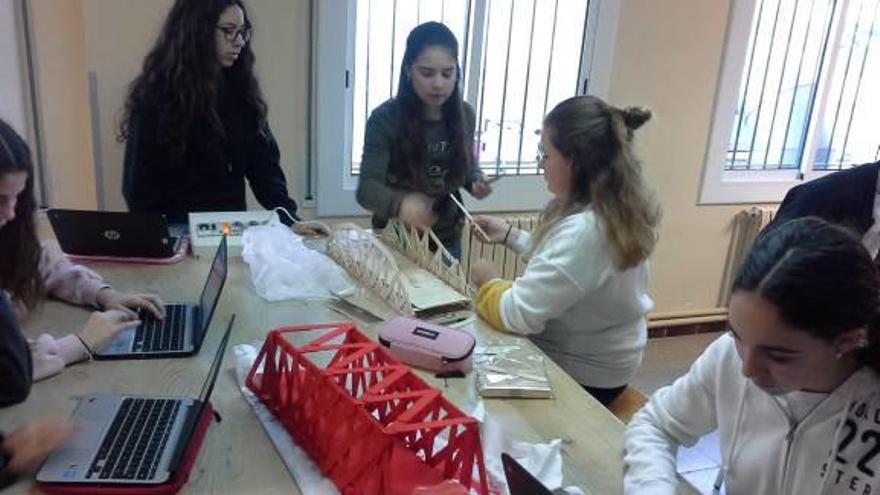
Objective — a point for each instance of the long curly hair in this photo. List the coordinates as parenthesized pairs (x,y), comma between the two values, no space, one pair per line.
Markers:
(607,176)
(181,76)
(19,247)
(411,149)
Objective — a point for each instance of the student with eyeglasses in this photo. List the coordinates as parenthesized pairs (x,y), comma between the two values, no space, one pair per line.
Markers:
(584,294)
(195,123)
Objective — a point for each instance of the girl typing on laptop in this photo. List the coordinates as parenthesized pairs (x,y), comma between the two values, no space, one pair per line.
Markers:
(29,271)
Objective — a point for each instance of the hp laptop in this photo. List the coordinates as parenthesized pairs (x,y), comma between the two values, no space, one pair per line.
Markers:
(113,233)
(126,440)
(183,329)
(520,481)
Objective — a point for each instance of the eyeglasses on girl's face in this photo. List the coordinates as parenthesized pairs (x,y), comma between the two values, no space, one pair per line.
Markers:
(230,33)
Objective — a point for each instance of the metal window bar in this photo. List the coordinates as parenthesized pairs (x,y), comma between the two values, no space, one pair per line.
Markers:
(465,48)
(522,122)
(367,65)
(577,82)
(832,155)
(550,61)
(764,83)
(843,85)
(814,87)
(745,91)
(504,93)
(779,86)
(797,79)
(767,42)
(483,80)
(852,112)
(393,46)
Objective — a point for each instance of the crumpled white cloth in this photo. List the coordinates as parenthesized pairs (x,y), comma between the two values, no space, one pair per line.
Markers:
(542,460)
(283,267)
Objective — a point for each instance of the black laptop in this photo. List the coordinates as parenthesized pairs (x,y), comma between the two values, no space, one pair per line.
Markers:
(183,329)
(520,481)
(124,440)
(113,233)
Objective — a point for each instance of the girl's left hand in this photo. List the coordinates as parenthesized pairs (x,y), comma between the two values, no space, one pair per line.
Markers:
(483,271)
(109,298)
(481,188)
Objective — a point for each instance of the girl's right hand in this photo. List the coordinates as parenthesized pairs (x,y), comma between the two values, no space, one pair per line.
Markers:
(102,327)
(494,227)
(415,210)
(33,442)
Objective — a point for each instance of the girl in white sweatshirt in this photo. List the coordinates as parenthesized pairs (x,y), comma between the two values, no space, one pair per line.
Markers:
(583,296)
(792,388)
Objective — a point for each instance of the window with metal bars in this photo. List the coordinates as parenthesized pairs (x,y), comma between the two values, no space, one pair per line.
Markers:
(519,58)
(805,101)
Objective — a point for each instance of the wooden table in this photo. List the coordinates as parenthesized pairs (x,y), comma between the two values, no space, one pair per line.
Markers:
(237,456)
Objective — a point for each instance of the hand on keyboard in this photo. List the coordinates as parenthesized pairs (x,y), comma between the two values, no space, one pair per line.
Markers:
(109,298)
(103,326)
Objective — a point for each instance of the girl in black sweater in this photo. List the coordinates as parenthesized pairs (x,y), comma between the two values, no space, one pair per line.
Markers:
(195,121)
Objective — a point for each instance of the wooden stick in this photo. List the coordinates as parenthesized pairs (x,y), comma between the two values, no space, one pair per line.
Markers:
(469,217)
(493,179)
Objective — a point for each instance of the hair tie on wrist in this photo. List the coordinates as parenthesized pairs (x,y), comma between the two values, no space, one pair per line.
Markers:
(86,346)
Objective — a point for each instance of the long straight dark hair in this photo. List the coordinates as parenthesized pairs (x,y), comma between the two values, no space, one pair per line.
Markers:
(181,75)
(820,278)
(19,247)
(411,146)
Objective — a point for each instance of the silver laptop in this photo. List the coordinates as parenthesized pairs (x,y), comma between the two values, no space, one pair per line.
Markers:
(130,439)
(183,329)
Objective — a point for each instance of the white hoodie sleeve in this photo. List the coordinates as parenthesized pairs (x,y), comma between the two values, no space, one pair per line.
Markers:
(678,414)
(571,263)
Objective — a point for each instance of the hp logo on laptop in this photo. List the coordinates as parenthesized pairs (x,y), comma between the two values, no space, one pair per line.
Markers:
(111,235)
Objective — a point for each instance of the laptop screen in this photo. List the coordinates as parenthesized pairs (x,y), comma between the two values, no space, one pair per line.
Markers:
(211,291)
(520,481)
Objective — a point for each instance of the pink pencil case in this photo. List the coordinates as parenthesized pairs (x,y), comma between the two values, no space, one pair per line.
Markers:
(428,346)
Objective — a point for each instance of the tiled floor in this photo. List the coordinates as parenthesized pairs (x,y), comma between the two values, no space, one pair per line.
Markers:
(667,358)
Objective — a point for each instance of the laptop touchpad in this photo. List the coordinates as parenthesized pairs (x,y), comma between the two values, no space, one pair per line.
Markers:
(122,343)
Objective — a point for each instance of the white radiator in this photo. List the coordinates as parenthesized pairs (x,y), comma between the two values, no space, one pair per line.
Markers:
(746,226)
(509,264)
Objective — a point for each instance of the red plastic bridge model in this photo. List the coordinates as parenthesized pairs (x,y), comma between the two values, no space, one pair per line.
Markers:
(369,423)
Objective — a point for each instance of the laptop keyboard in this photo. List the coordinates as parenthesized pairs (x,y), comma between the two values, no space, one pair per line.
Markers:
(133,445)
(155,335)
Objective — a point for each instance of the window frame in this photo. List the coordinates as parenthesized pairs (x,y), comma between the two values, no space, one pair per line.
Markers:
(19,107)
(334,98)
(719,186)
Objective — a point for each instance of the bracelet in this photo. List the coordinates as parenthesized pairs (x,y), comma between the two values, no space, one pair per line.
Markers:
(509,228)
(86,346)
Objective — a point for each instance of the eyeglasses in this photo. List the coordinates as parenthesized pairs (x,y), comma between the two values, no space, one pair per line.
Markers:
(231,33)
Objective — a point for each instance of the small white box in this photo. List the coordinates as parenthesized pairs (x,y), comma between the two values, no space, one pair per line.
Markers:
(206,229)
